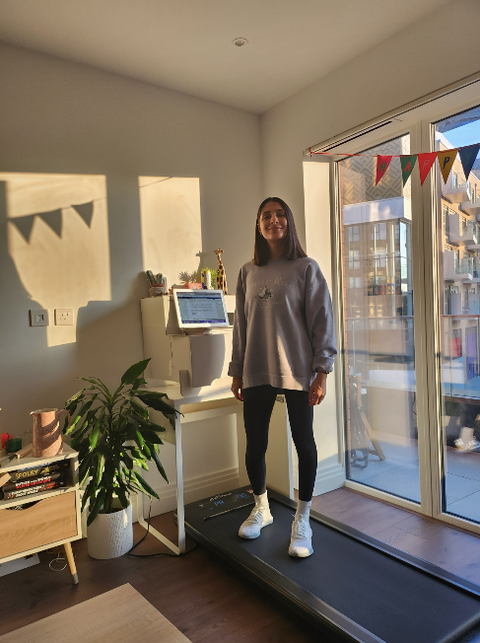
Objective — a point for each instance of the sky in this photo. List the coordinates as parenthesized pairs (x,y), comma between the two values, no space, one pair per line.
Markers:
(464,135)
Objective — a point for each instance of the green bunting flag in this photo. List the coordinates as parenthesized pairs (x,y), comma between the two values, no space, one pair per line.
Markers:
(407,163)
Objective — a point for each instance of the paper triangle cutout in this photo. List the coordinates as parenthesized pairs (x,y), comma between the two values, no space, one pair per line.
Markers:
(85,210)
(382,166)
(24,225)
(445,161)
(53,220)
(407,163)
(468,156)
(425,162)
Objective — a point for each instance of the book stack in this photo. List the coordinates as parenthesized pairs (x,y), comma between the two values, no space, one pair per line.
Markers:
(32,480)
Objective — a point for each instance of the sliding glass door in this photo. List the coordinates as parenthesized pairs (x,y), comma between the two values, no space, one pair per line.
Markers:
(458,243)
(376,220)
(409,269)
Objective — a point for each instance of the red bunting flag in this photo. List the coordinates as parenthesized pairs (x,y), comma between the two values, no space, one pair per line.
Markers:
(382,166)
(445,160)
(425,162)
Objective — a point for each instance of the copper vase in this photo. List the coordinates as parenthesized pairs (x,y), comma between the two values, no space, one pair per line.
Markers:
(47,434)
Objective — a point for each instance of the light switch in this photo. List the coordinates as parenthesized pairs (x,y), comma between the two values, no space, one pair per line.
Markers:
(38,317)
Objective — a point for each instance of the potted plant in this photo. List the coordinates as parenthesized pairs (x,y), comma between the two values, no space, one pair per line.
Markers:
(115,438)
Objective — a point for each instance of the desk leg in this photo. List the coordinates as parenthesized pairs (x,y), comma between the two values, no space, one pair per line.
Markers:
(180,498)
(71,562)
(155,533)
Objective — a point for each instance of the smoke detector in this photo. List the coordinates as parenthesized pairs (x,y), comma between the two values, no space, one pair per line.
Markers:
(240,41)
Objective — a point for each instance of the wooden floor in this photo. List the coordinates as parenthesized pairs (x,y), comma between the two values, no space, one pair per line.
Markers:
(452,549)
(204,598)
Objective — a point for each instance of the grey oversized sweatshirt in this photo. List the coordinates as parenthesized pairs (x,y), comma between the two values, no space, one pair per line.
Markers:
(284,329)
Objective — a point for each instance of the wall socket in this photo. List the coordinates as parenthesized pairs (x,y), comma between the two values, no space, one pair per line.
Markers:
(38,317)
(64,316)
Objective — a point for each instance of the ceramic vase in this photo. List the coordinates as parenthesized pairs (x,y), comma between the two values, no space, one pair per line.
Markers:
(111,535)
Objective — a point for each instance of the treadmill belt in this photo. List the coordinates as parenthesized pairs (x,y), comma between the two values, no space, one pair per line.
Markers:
(348,585)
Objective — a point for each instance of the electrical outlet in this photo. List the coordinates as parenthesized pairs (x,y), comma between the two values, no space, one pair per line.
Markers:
(64,316)
(38,317)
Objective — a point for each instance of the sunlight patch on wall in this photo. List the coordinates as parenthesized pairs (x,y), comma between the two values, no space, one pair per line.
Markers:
(171,225)
(58,240)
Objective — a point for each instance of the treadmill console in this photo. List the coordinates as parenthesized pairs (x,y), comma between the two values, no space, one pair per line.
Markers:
(225,502)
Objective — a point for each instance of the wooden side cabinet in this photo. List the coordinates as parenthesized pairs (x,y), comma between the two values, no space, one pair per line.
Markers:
(44,519)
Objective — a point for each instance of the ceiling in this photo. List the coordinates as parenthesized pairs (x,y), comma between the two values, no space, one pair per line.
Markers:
(186,45)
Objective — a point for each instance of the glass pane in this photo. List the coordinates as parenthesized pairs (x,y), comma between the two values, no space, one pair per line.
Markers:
(458,242)
(379,355)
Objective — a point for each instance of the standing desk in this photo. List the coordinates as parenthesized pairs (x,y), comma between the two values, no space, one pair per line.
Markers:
(213,404)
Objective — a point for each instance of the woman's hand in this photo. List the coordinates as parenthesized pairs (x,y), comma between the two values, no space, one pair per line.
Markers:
(237,388)
(318,389)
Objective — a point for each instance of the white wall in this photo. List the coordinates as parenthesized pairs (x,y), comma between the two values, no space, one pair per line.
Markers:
(59,117)
(436,51)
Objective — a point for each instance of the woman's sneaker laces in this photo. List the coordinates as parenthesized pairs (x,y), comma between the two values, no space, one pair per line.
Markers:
(259,517)
(301,539)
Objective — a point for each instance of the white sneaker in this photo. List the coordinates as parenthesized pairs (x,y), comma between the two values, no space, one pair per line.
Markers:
(301,540)
(259,517)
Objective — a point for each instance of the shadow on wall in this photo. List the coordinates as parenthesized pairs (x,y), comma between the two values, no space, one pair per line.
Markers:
(58,239)
(56,251)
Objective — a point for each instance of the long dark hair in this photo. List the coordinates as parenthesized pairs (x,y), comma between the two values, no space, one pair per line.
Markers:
(293,247)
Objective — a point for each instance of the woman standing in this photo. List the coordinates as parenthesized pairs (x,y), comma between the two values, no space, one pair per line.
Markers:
(283,342)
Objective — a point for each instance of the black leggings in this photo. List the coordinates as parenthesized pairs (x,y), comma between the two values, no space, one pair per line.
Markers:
(258,403)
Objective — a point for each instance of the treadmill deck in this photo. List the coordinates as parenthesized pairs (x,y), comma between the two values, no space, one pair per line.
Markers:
(352,586)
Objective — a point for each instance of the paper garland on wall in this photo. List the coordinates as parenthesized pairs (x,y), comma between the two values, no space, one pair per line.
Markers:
(426,160)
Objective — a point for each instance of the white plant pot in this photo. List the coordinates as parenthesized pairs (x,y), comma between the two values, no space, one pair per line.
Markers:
(111,535)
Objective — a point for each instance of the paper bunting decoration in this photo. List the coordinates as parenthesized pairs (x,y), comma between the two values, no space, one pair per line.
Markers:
(407,163)
(445,160)
(468,156)
(382,166)
(425,162)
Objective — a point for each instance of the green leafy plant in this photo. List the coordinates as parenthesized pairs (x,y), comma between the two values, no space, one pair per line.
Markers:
(115,437)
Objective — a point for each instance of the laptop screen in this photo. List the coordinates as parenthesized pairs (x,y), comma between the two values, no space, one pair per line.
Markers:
(200,308)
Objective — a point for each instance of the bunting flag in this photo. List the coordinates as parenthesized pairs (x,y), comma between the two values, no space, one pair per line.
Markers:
(382,166)
(467,157)
(446,158)
(445,161)
(407,163)
(425,162)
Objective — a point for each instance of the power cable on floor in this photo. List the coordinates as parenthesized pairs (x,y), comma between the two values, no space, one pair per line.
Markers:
(160,553)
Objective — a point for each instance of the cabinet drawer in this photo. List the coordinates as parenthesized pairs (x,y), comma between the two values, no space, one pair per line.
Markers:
(45,522)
